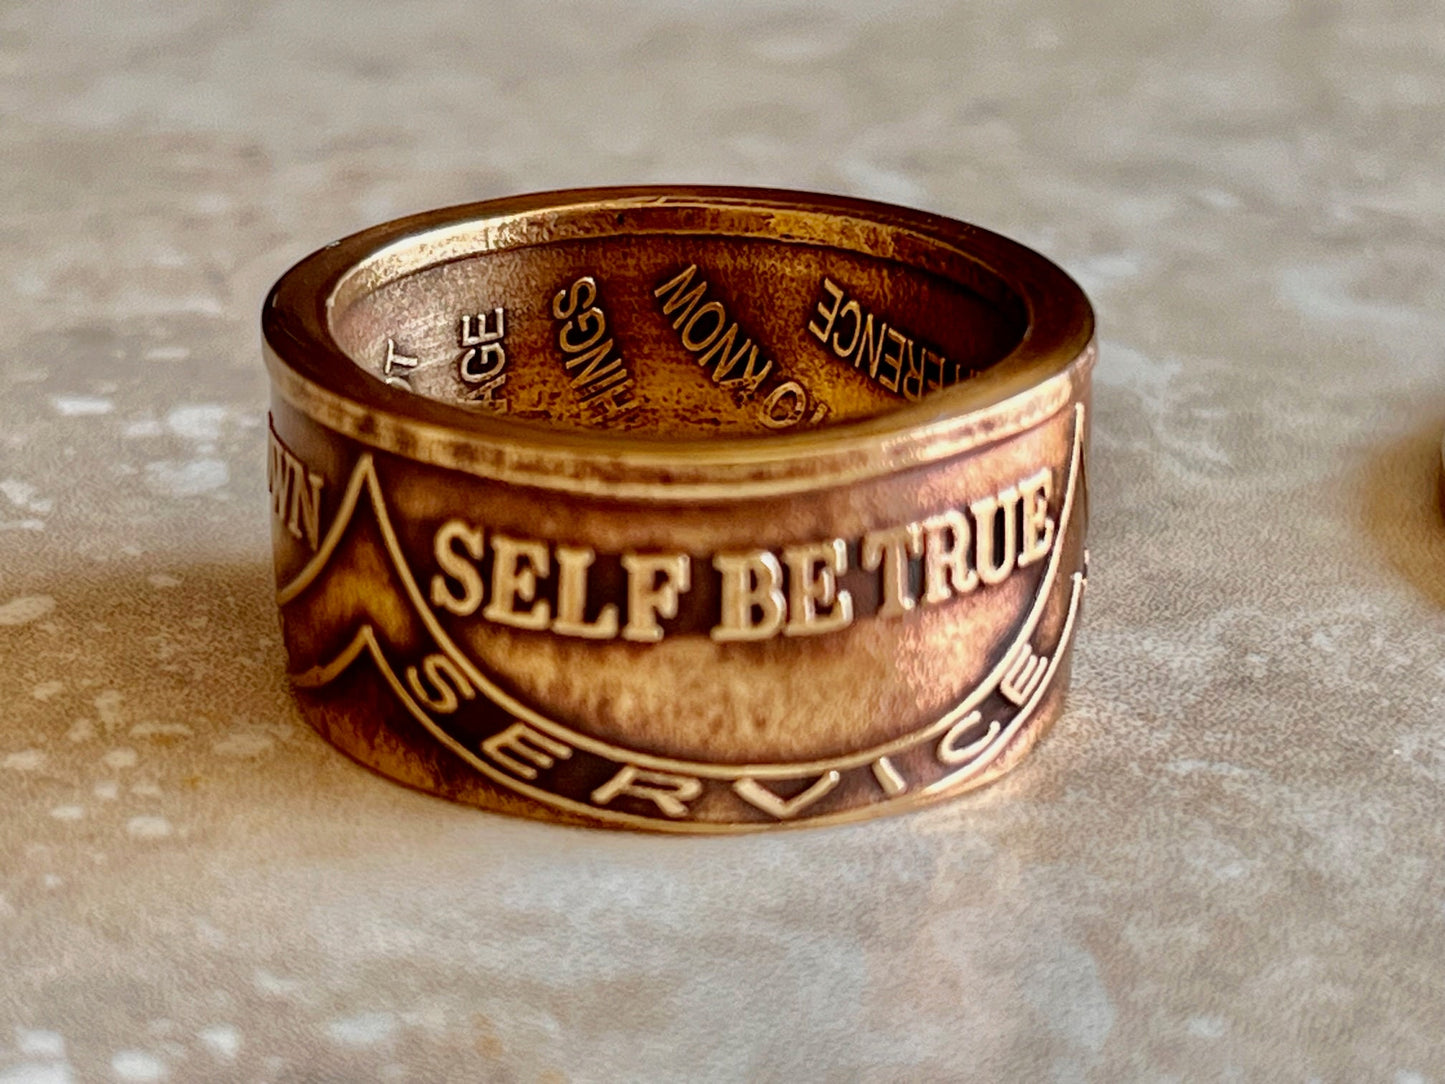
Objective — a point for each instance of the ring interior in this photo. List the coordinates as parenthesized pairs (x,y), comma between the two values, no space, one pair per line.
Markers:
(676,321)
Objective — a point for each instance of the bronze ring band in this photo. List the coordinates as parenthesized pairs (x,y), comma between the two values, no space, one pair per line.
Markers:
(693,509)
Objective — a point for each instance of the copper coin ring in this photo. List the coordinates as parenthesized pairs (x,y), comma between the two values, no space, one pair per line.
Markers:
(688,509)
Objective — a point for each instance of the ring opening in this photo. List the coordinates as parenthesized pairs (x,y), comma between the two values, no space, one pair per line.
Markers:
(675,319)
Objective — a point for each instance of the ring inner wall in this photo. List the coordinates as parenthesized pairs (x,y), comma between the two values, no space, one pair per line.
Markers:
(674,336)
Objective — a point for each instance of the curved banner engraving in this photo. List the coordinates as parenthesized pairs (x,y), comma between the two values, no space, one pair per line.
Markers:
(523,750)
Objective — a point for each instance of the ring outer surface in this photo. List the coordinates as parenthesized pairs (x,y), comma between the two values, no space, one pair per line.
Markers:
(935,681)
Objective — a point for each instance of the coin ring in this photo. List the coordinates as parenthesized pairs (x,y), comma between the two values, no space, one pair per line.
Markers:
(687,509)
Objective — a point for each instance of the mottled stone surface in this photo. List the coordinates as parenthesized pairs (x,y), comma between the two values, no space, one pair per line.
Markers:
(1227,863)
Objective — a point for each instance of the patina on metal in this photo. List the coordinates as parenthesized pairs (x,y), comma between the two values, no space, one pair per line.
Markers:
(692,509)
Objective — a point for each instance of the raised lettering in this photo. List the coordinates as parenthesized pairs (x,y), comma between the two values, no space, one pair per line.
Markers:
(1038,528)
(485,356)
(752,374)
(892,549)
(580,295)
(613,400)
(537,748)
(460,565)
(599,376)
(951,753)
(654,583)
(871,345)
(572,565)
(911,382)
(829,315)
(750,586)
(994,563)
(516,564)
(670,793)
(793,400)
(895,359)
(679,295)
(1025,673)
(447,684)
(854,310)
(932,363)
(486,394)
(754,793)
(295,493)
(593,318)
(695,342)
(889,777)
(706,331)
(945,557)
(593,365)
(889,377)
(816,604)
(398,367)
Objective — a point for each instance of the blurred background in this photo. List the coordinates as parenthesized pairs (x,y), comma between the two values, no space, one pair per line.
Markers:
(1224,864)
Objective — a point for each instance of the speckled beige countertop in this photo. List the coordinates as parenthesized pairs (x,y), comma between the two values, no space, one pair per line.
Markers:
(1227,863)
